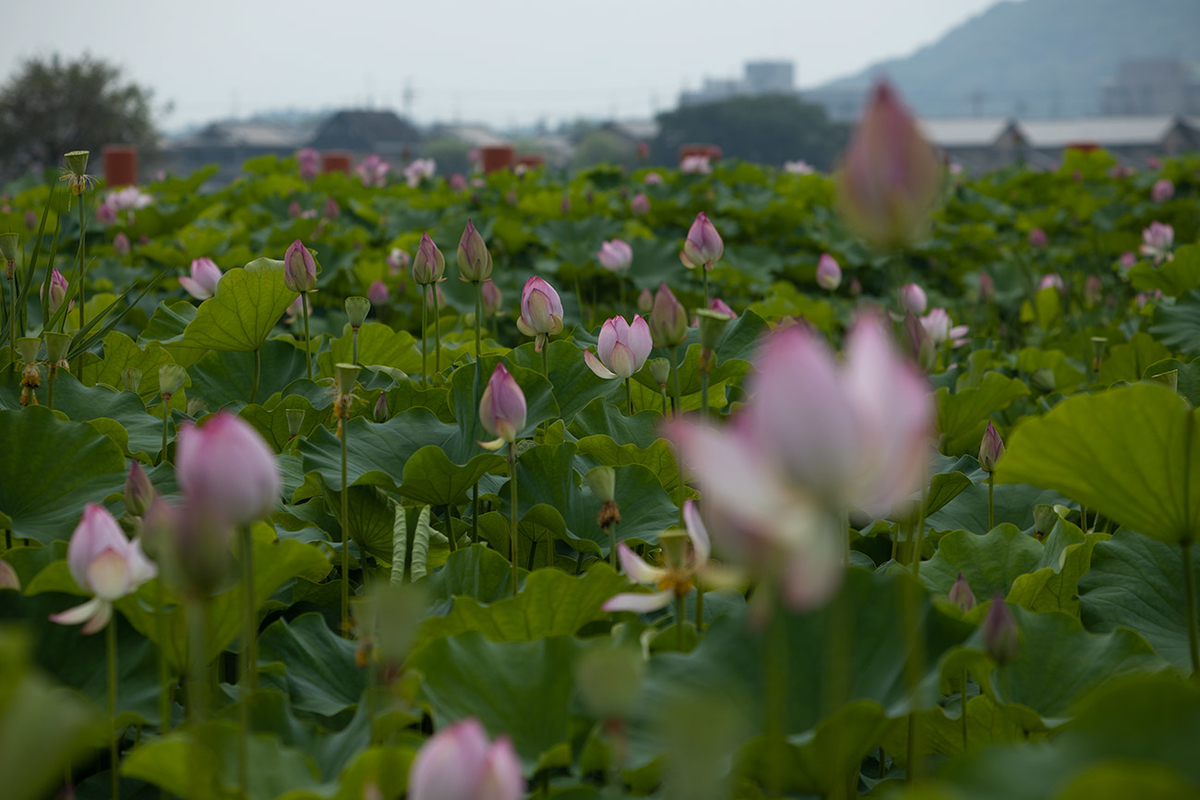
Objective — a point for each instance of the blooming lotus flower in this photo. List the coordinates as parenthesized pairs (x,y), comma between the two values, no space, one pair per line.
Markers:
(1162,191)
(106,214)
(890,178)
(640,204)
(458,182)
(458,763)
(377,293)
(474,260)
(299,268)
(492,298)
(652,178)
(991,448)
(205,276)
(703,246)
(420,169)
(541,311)
(58,290)
(121,244)
(1157,241)
(373,170)
(129,198)
(695,164)
(502,408)
(429,266)
(912,299)
(310,163)
(622,348)
(829,274)
(1052,281)
(671,580)
(615,256)
(102,561)
(817,438)
(398,260)
(668,319)
(1037,238)
(227,467)
(800,167)
(940,328)
(1127,260)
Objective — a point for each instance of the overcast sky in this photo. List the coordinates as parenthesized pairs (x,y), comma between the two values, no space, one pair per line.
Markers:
(475,60)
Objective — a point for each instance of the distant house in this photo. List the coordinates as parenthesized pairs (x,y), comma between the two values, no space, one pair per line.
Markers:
(363,132)
(228,144)
(472,135)
(979,143)
(634,131)
(1133,140)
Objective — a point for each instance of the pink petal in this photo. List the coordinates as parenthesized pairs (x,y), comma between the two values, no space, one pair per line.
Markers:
(636,569)
(640,603)
(594,364)
(78,614)
(697,532)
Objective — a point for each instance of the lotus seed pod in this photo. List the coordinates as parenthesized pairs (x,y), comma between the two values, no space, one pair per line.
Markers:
(171,378)
(131,379)
(356,309)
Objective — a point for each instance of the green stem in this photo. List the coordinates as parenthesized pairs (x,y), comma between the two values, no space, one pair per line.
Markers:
(680,619)
(12,323)
(166,398)
(82,264)
(512,531)
(991,502)
(612,544)
(662,387)
(675,381)
(437,334)
(703,394)
(546,358)
(776,697)
(307,338)
(1189,598)
(197,692)
(917,536)
(345,537)
(53,370)
(250,629)
(450,529)
(629,395)
(164,676)
(478,320)
(704,272)
(111,647)
(424,327)
(475,515)
(257,370)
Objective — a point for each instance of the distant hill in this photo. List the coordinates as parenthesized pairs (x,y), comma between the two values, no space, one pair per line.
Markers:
(1033,58)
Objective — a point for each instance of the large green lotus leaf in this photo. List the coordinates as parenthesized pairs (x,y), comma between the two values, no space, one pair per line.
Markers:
(378,345)
(601,418)
(1175,277)
(1140,731)
(477,572)
(43,729)
(1129,361)
(273,424)
(659,458)
(1177,326)
(961,413)
(121,352)
(728,661)
(224,377)
(52,468)
(522,689)
(1066,374)
(1187,376)
(552,603)
(321,674)
(1014,504)
(243,312)
(575,385)
(990,563)
(376,768)
(202,764)
(371,513)
(939,729)
(1137,583)
(1054,586)
(1131,454)
(430,477)
(466,388)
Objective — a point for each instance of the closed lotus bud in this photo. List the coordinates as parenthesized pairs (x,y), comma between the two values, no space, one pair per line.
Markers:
(171,378)
(429,265)
(502,407)
(1163,190)
(474,260)
(1000,637)
(829,274)
(961,594)
(987,287)
(299,268)
(645,302)
(106,214)
(10,246)
(139,492)
(991,449)
(380,411)
(131,379)
(668,319)
(615,256)
(377,293)
(541,311)
(57,345)
(294,209)
(603,483)
(1042,380)
(331,210)
(58,290)
(703,246)
(890,177)
(492,299)
(295,421)
(640,204)
(356,309)
(31,220)
(458,763)
(609,680)
(1038,238)
(660,370)
(121,244)
(721,307)
(912,299)
(227,467)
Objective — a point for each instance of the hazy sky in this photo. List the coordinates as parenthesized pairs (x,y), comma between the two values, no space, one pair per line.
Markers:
(486,60)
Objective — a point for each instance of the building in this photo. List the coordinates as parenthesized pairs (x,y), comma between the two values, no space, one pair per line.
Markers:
(759,78)
(228,145)
(1152,86)
(978,143)
(1133,140)
(363,132)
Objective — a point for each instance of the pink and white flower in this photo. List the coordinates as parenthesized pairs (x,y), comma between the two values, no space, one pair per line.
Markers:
(1157,241)
(615,256)
(419,170)
(458,763)
(940,328)
(622,348)
(203,282)
(670,580)
(541,311)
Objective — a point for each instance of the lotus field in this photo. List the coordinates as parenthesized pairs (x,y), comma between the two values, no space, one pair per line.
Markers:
(722,483)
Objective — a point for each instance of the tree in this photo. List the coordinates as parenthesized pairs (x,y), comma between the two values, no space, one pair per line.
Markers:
(50,107)
(769,129)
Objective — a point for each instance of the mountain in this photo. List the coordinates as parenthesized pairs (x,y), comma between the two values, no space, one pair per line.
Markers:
(1033,58)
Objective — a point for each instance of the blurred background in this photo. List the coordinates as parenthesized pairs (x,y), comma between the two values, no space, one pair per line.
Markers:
(577,84)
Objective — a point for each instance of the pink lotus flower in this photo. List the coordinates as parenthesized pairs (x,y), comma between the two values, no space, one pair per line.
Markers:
(615,256)
(295,310)
(458,763)
(377,293)
(1157,241)
(817,438)
(890,178)
(102,561)
(419,170)
(671,580)
(703,246)
(130,198)
(9,579)
(1037,238)
(991,448)
(106,214)
(643,150)
(502,407)
(696,164)
(541,311)
(829,274)
(1127,261)
(121,244)
(474,259)
(373,171)
(645,301)
(310,163)
(622,348)
(1093,290)
(299,268)
(492,298)
(652,178)
(912,299)
(938,326)
(331,210)
(294,210)
(429,265)
(226,466)
(1052,281)
(398,260)
(58,290)
(721,307)
(799,167)
(1162,191)
(668,319)
(205,276)
(458,182)
(640,204)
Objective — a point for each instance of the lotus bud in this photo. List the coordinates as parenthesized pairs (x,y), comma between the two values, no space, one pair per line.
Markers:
(295,421)
(57,345)
(1042,380)
(961,594)
(987,287)
(492,299)
(703,246)
(429,265)
(660,370)
(912,299)
(295,209)
(8,577)
(645,302)
(855,287)
(1162,191)
(829,274)
(1000,637)
(299,268)
(58,290)
(121,244)
(131,379)
(615,256)
(721,307)
(10,247)
(356,309)
(205,275)
(458,763)
(1038,238)
(377,293)
(77,161)
(991,449)
(380,411)
(541,311)
(609,680)
(502,408)
(668,319)
(139,492)
(225,466)
(29,347)
(331,210)
(890,177)
(171,378)
(31,220)
(640,204)
(347,377)
(603,483)
(474,260)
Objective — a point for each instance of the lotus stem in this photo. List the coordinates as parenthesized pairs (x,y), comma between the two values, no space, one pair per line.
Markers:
(345,432)
(478,320)
(12,322)
(354,345)
(475,514)
(82,271)
(675,381)
(699,607)
(197,693)
(629,395)
(450,528)
(964,708)
(546,363)
(991,501)
(437,334)
(307,338)
(704,272)
(775,664)
(251,609)
(53,373)
(111,648)
(703,394)
(424,347)
(1189,598)
(612,544)
(166,398)
(164,679)
(257,370)
(512,532)
(917,537)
